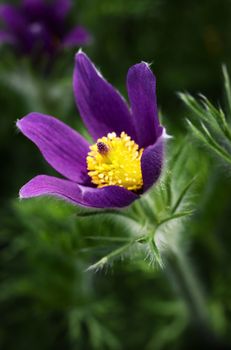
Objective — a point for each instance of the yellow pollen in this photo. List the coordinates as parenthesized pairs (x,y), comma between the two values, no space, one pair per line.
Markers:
(115,160)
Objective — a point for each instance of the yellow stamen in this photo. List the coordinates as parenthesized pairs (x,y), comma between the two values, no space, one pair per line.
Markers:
(115,160)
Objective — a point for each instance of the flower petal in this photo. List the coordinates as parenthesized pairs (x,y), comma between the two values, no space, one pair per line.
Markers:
(141,85)
(13,19)
(35,9)
(61,8)
(106,197)
(76,37)
(54,8)
(102,108)
(6,38)
(16,26)
(152,162)
(32,3)
(63,148)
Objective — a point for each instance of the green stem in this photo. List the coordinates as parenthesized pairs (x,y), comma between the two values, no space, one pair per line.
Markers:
(117,252)
(181,274)
(185,282)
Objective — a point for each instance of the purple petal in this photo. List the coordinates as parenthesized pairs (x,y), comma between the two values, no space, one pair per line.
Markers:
(76,37)
(12,18)
(56,8)
(152,162)
(6,38)
(32,3)
(61,8)
(17,26)
(141,85)
(34,9)
(106,197)
(63,148)
(102,108)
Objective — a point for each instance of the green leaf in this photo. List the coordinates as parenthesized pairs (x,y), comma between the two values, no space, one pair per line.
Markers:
(209,141)
(227,88)
(176,216)
(107,259)
(182,195)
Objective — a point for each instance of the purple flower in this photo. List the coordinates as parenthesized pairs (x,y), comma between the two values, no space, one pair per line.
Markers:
(39,26)
(127,157)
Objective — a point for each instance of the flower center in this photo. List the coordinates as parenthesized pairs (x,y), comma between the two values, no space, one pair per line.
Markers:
(115,160)
(36,28)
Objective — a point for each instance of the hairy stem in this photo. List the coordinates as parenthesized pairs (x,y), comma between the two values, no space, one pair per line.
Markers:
(182,276)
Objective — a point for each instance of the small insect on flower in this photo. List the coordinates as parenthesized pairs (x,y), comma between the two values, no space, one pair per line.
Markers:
(37,27)
(126,157)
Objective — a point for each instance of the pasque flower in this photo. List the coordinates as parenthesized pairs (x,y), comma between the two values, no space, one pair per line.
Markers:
(39,26)
(127,155)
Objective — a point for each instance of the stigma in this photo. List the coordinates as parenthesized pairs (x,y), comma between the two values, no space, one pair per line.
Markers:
(115,161)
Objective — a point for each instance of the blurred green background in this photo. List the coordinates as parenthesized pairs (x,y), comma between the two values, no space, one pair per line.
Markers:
(47,299)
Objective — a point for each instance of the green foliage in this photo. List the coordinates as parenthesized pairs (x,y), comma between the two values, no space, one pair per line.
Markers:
(212,126)
(46,254)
